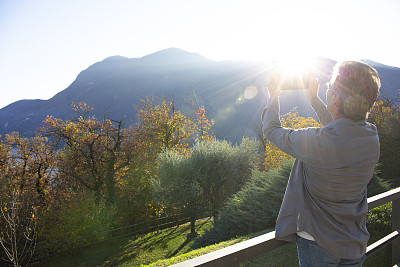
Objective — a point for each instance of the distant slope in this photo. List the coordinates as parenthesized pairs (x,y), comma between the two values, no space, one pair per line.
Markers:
(390,78)
(115,85)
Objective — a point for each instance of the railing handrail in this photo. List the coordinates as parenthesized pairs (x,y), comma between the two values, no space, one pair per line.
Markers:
(246,250)
(383,198)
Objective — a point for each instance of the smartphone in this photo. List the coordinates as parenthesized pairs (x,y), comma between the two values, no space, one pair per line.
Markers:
(296,80)
(292,78)
(295,83)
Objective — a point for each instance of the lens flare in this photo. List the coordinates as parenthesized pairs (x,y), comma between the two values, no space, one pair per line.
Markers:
(294,72)
(225,113)
(240,100)
(250,92)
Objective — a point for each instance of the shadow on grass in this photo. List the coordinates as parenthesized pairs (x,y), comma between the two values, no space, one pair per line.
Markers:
(165,244)
(188,240)
(157,246)
(129,250)
(149,237)
(179,249)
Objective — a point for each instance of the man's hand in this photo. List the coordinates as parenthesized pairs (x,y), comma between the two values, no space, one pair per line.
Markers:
(313,87)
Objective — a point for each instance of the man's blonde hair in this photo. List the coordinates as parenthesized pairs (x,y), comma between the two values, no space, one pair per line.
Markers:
(358,85)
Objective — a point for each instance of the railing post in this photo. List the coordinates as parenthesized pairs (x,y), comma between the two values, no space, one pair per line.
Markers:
(395,227)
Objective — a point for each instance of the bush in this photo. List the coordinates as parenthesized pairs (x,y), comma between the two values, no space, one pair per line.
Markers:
(79,216)
(377,185)
(379,221)
(379,224)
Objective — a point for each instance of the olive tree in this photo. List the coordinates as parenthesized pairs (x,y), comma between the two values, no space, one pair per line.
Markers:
(202,179)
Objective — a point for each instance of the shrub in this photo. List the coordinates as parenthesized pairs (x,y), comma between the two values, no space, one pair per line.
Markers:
(79,216)
(377,185)
(379,224)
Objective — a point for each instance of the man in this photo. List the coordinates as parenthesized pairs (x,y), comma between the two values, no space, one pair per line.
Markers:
(325,204)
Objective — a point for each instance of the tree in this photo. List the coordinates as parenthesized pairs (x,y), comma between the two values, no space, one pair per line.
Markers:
(175,188)
(203,125)
(28,181)
(95,152)
(18,229)
(205,177)
(385,115)
(161,126)
(274,156)
(28,163)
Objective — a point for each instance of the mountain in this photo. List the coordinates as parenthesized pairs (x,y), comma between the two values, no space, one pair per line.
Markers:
(390,78)
(233,92)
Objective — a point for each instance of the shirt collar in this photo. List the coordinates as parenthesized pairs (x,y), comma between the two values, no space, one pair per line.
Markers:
(346,121)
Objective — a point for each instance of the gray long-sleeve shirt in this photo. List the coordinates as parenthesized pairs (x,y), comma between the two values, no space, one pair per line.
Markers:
(326,194)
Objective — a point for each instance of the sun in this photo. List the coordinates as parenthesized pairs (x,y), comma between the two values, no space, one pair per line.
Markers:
(294,72)
(295,63)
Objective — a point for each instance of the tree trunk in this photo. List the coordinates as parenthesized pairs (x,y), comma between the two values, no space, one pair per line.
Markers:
(214,213)
(109,180)
(192,225)
(193,232)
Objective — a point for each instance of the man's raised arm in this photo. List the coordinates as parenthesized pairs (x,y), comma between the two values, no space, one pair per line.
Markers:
(319,107)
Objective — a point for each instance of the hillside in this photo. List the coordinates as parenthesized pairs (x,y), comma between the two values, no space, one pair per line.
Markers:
(169,247)
(114,85)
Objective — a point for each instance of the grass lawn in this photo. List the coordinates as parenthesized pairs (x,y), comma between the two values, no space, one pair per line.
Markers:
(170,246)
(128,251)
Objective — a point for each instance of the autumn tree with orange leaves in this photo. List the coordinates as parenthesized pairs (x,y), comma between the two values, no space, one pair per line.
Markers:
(203,125)
(95,151)
(28,165)
(161,126)
(273,157)
(28,179)
(385,115)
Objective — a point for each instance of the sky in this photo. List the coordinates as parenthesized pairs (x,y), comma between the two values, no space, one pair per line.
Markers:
(45,44)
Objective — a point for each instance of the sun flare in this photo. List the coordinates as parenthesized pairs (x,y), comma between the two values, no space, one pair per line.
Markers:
(294,72)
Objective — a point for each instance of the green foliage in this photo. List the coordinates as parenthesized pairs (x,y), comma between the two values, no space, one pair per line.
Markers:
(253,208)
(377,185)
(79,215)
(222,169)
(170,243)
(174,186)
(386,116)
(201,251)
(379,224)
(204,177)
(379,221)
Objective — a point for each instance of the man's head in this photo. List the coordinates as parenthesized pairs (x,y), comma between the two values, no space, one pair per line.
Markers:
(356,85)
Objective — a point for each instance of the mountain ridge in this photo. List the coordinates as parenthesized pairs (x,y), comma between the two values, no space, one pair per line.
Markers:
(115,85)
